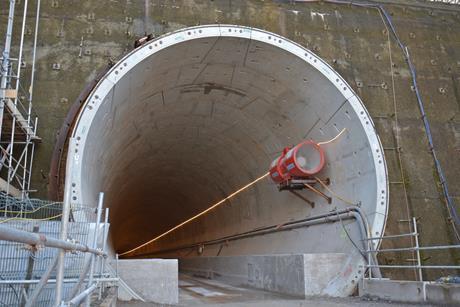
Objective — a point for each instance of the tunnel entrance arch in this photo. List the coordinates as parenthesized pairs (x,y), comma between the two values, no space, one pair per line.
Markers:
(189,117)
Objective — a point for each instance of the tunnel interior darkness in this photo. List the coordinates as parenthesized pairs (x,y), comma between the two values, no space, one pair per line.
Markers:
(188,118)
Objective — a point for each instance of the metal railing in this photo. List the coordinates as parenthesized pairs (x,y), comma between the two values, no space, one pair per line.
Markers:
(419,267)
(446,1)
(29,235)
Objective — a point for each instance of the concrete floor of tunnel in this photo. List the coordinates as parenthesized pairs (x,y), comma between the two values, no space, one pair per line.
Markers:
(195,291)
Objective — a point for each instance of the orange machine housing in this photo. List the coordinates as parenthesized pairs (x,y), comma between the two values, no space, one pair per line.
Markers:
(276,171)
(301,161)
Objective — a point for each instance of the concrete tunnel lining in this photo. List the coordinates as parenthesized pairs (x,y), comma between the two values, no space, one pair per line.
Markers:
(190,117)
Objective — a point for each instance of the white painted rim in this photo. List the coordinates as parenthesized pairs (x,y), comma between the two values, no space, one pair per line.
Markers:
(377,219)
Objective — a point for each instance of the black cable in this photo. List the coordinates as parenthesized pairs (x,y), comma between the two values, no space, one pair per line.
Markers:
(349,237)
(220,249)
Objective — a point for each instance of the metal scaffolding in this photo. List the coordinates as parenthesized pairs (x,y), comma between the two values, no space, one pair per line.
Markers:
(18,137)
(18,124)
(30,250)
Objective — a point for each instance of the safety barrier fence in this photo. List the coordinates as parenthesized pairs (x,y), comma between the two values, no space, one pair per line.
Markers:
(416,249)
(16,209)
(30,242)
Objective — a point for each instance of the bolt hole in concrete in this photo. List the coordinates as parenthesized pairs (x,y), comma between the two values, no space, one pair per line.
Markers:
(173,133)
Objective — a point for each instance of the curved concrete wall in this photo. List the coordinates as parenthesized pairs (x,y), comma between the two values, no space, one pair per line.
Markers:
(190,117)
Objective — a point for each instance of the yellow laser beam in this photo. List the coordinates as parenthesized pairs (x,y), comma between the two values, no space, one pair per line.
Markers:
(334,138)
(198,215)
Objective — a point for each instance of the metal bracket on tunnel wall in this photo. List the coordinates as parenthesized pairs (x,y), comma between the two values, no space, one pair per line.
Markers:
(292,185)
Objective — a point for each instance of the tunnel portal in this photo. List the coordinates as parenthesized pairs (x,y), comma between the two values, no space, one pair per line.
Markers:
(188,118)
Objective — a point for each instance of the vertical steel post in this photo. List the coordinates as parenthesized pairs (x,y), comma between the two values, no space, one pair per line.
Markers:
(32,153)
(5,68)
(419,262)
(18,76)
(43,280)
(6,60)
(65,222)
(34,53)
(369,258)
(26,176)
(104,246)
(116,271)
(76,301)
(30,268)
(93,257)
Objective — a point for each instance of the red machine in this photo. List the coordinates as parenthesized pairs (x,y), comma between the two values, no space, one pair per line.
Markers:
(295,168)
(301,161)
(276,171)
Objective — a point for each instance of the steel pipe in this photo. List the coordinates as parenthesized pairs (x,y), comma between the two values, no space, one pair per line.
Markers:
(95,238)
(34,239)
(83,295)
(334,216)
(417,245)
(440,267)
(40,283)
(64,226)
(6,60)
(104,248)
(310,221)
(81,278)
(53,281)
(411,234)
(415,248)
